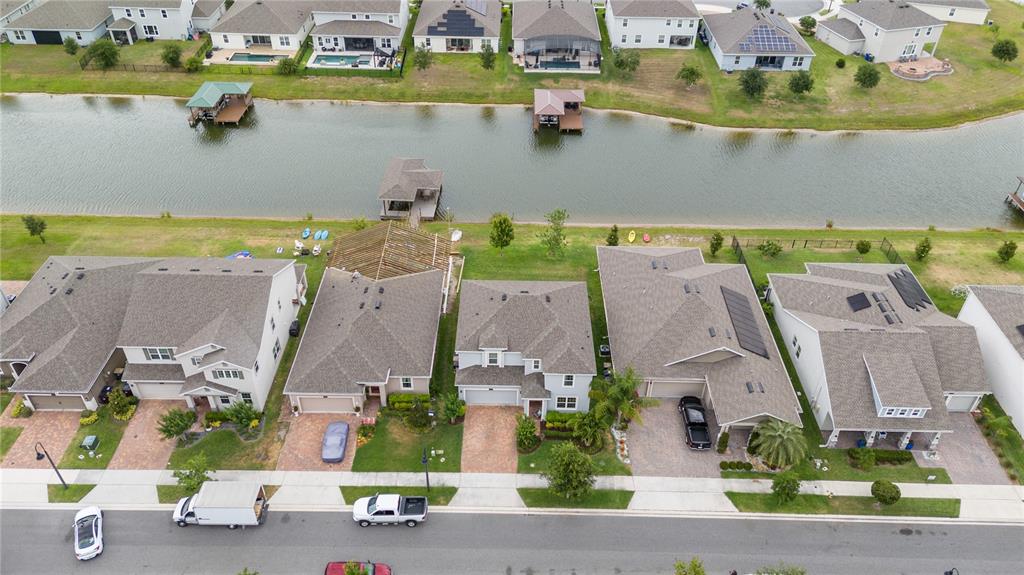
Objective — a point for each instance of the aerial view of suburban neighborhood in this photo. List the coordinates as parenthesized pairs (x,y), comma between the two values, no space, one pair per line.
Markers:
(512,287)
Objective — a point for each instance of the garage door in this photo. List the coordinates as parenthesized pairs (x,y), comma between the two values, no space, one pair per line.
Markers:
(158,390)
(492,397)
(676,389)
(960,402)
(49,402)
(326,405)
(47,37)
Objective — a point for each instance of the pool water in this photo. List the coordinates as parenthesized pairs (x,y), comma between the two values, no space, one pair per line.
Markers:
(260,58)
(560,65)
(337,60)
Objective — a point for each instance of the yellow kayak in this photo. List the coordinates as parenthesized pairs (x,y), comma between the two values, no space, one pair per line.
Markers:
(632,236)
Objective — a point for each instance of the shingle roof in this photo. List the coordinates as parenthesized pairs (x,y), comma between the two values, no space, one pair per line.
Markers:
(436,16)
(733,32)
(1005,304)
(288,16)
(198,381)
(356,28)
(65,15)
(531,386)
(662,304)
(206,8)
(164,372)
(8,6)
(131,302)
(536,18)
(348,339)
(654,9)
(552,102)
(121,24)
(543,320)
(404,177)
(891,15)
(144,3)
(979,4)
(844,27)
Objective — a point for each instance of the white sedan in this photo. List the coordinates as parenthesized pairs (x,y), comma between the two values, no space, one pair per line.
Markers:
(88,533)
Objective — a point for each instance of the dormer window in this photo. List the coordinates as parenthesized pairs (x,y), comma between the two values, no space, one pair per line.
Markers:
(197,360)
(158,353)
(492,358)
(536,365)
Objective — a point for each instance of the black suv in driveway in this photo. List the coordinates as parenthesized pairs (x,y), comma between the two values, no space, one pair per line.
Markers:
(698,436)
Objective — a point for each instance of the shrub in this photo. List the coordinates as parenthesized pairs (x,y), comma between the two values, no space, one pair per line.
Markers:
(724,465)
(287,67)
(808,23)
(88,418)
(694,567)
(863,247)
(840,63)
(922,249)
(453,407)
(70,45)
(717,239)
(778,443)
(127,415)
(242,414)
(176,423)
(193,64)
(1005,50)
(723,442)
(747,466)
(861,457)
(867,76)
(417,417)
(885,492)
(893,456)
(689,74)
(171,55)
(613,236)
(570,472)
(769,248)
(20,409)
(121,405)
(626,61)
(104,52)
(753,82)
(786,487)
(526,434)
(215,417)
(801,82)
(366,431)
(1006,251)
(195,473)
(422,57)
(406,401)
(487,57)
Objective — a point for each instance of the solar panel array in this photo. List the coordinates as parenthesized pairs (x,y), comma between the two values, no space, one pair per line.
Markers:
(858,301)
(456,23)
(912,293)
(765,38)
(741,312)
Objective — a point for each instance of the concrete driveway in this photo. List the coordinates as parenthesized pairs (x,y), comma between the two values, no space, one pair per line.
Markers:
(54,429)
(966,454)
(489,439)
(301,451)
(658,447)
(142,446)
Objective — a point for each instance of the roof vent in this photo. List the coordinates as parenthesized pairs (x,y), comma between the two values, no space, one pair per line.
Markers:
(504,297)
(696,287)
(161,269)
(547,298)
(1020,329)
(524,291)
(194,270)
(257,271)
(711,331)
(377,305)
(760,387)
(750,387)
(65,275)
(225,271)
(686,287)
(68,291)
(654,264)
(80,275)
(728,334)
(362,304)
(380,289)
(366,289)
(79,268)
(356,275)
(53,290)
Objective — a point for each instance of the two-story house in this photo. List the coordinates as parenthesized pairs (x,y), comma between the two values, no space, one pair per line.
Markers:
(198,329)
(884,30)
(158,19)
(359,27)
(525,344)
(652,23)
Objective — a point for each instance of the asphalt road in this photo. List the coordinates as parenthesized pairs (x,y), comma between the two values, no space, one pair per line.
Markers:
(451,544)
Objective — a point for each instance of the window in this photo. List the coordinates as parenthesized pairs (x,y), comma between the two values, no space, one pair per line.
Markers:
(320,42)
(157,353)
(876,31)
(909,49)
(492,358)
(536,365)
(798,350)
(128,12)
(565,402)
(163,13)
(952,11)
(861,23)
(142,13)
(915,413)
(568,380)
(636,39)
(902,412)
(366,16)
(737,61)
(661,39)
(798,61)
(668,22)
(279,299)
(256,367)
(917,32)
(150,31)
(197,360)
(228,374)
(277,348)
(406,383)
(225,400)
(354,16)
(78,35)
(691,22)
(247,398)
(385,42)
(284,40)
(225,36)
(889,412)
(624,40)
(625,22)
(427,42)
(19,34)
(485,42)
(391,18)
(928,32)
(794,340)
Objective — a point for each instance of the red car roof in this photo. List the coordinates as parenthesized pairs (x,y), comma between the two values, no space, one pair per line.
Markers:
(338,568)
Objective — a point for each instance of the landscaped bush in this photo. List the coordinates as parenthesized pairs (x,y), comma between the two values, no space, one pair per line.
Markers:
(526,434)
(366,431)
(863,247)
(176,423)
(417,417)
(885,492)
(723,442)
(861,457)
(725,465)
(557,434)
(193,64)
(88,417)
(747,466)
(125,416)
(893,457)
(215,418)
(121,406)
(841,63)
(786,486)
(405,401)
(19,409)
(558,421)
(242,414)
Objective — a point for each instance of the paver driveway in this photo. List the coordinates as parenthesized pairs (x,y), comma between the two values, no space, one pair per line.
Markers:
(489,439)
(965,454)
(658,447)
(142,446)
(54,429)
(301,451)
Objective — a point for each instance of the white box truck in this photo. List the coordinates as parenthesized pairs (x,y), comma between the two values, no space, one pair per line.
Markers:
(230,503)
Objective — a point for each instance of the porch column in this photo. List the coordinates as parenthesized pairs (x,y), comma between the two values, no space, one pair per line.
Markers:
(526,407)
(191,403)
(905,439)
(934,443)
(869,437)
(833,438)
(383,394)
(935,48)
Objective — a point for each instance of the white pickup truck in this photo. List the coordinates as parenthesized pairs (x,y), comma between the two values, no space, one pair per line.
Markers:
(230,503)
(389,509)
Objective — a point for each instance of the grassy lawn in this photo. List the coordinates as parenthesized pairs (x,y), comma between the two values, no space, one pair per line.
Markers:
(73,494)
(605,462)
(395,448)
(108,430)
(171,493)
(1010,447)
(5,400)
(8,435)
(598,499)
(436,496)
(821,504)
(835,102)
(149,52)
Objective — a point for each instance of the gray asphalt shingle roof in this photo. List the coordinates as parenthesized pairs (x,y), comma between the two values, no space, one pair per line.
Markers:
(404,177)
(531,386)
(65,15)
(355,28)
(732,31)
(978,4)
(661,305)
(206,8)
(435,14)
(654,9)
(163,372)
(349,340)
(1005,304)
(543,320)
(844,27)
(890,15)
(536,18)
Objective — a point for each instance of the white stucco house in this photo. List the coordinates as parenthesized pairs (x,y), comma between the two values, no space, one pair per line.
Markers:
(526,344)
(748,38)
(458,25)
(997,314)
(962,11)
(359,27)
(157,19)
(84,21)
(886,30)
(874,355)
(202,330)
(652,23)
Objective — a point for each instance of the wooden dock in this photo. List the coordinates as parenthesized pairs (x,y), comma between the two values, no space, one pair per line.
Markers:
(234,111)
(1015,198)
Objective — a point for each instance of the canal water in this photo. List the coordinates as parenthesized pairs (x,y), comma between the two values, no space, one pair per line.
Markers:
(107,155)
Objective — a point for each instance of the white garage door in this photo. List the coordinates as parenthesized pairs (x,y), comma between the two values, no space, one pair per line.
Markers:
(960,402)
(676,389)
(158,390)
(326,405)
(57,402)
(492,397)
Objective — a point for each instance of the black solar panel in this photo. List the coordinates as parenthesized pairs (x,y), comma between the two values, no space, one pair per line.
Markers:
(858,301)
(741,312)
(765,38)
(912,293)
(456,23)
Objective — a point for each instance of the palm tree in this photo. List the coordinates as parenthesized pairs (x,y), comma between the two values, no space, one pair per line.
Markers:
(619,399)
(779,443)
(588,429)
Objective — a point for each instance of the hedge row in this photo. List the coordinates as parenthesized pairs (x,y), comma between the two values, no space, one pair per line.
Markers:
(735,465)
(405,401)
(559,421)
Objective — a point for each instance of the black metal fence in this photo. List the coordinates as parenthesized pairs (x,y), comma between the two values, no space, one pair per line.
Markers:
(794,244)
(890,252)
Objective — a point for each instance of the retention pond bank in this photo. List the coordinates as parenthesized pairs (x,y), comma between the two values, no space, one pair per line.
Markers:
(114,155)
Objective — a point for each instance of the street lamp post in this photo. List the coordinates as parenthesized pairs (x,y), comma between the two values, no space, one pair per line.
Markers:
(426,468)
(41,453)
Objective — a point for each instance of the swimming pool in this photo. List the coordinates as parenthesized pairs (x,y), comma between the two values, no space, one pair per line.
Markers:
(255,58)
(338,60)
(561,64)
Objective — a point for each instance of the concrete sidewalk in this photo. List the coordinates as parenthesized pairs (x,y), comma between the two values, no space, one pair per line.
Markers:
(320,490)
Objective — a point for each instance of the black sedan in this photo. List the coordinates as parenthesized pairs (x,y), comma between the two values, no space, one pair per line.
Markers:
(698,436)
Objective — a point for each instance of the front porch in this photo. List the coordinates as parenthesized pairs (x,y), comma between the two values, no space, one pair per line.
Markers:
(122,32)
(908,440)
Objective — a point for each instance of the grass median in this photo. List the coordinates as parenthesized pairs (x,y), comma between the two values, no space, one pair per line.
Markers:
(8,435)
(598,499)
(438,495)
(842,505)
(73,494)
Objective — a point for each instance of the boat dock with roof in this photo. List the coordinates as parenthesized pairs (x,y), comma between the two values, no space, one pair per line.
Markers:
(220,102)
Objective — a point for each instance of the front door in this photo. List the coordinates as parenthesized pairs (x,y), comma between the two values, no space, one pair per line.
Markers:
(373,391)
